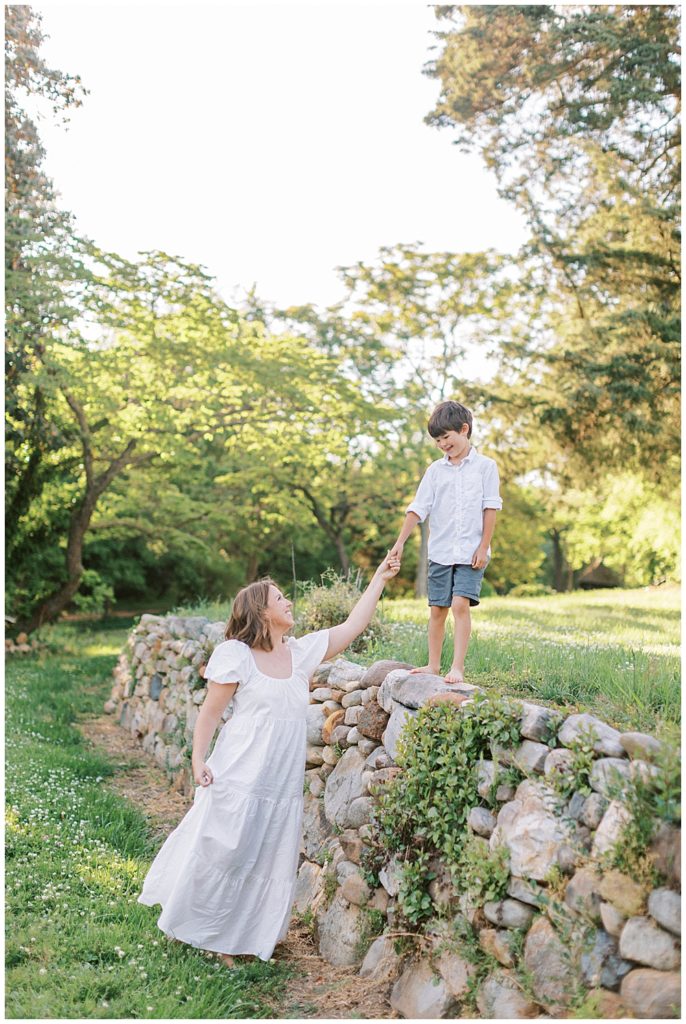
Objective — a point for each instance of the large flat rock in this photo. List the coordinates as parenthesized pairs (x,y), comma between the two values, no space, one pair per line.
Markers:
(415,690)
(344,785)
(419,994)
(396,723)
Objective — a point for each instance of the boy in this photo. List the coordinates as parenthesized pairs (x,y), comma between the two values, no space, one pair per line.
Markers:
(461,491)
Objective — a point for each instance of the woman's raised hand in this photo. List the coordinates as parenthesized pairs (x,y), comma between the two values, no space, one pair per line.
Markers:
(389,567)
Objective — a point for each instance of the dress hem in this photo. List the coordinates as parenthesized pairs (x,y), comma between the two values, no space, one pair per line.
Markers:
(209,948)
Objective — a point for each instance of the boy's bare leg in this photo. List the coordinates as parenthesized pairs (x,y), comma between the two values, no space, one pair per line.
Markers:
(437,617)
(463,629)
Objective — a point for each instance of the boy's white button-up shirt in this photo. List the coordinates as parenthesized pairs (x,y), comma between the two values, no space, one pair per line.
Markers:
(455,496)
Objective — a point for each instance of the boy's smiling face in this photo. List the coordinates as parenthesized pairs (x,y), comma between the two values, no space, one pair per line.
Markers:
(454,444)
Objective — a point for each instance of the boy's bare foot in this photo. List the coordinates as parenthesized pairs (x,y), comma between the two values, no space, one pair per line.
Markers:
(454,675)
(426,668)
(227,959)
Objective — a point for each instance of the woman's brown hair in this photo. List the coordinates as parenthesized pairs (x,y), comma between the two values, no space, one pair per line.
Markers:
(248,620)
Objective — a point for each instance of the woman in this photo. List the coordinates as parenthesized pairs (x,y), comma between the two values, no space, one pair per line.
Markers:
(226,876)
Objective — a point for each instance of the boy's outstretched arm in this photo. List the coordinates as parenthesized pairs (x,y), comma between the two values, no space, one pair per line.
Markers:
(411,520)
(417,511)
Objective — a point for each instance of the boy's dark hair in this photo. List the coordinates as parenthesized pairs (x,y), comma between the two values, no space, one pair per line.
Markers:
(449,416)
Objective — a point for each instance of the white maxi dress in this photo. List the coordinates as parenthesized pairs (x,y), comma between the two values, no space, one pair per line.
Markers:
(225,877)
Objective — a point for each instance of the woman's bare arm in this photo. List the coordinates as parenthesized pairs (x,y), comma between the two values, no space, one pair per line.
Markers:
(342,636)
(214,706)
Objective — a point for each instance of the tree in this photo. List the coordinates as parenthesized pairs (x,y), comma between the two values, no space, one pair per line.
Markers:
(576,110)
(40,258)
(158,368)
(624,525)
(405,333)
(518,542)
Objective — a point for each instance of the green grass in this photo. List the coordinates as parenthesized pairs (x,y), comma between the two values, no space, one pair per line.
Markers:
(612,653)
(215,611)
(78,944)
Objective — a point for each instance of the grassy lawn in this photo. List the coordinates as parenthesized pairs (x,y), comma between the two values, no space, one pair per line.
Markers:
(78,944)
(614,653)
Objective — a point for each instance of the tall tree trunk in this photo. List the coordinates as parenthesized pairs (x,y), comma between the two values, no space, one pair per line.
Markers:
(421,580)
(253,566)
(342,554)
(332,525)
(51,606)
(559,562)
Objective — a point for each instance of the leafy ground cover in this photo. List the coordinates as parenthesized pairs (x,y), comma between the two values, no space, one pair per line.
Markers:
(78,945)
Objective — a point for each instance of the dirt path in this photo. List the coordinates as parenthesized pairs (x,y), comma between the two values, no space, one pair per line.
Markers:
(317,989)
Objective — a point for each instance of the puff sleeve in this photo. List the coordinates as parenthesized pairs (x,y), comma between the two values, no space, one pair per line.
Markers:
(308,651)
(227,663)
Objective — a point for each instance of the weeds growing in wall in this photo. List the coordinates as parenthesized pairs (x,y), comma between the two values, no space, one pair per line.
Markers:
(423,811)
(651,798)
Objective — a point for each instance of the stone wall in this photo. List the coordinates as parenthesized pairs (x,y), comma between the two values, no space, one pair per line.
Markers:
(158,687)
(568,924)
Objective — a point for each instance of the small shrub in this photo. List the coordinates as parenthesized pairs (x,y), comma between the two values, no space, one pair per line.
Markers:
(530,590)
(423,811)
(576,778)
(414,899)
(505,775)
(650,801)
(330,886)
(373,924)
(306,919)
(484,878)
(94,594)
(329,603)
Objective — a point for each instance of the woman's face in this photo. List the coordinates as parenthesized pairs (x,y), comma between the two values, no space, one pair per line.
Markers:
(279,609)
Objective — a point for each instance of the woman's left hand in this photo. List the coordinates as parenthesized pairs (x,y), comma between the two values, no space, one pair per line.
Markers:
(389,567)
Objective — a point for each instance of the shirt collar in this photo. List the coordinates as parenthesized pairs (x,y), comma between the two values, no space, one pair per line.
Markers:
(467,458)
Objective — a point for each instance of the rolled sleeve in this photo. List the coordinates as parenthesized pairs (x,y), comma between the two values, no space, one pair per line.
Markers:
(423,499)
(491,485)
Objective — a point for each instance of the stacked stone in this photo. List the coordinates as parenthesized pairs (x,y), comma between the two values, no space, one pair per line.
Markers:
(346,763)
(23,645)
(621,939)
(158,687)
(626,937)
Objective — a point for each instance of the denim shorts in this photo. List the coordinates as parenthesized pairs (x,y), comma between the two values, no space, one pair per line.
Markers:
(449,581)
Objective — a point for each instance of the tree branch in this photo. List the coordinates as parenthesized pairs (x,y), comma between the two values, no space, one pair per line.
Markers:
(84,432)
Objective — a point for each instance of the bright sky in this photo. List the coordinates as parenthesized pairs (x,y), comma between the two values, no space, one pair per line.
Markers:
(269,143)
